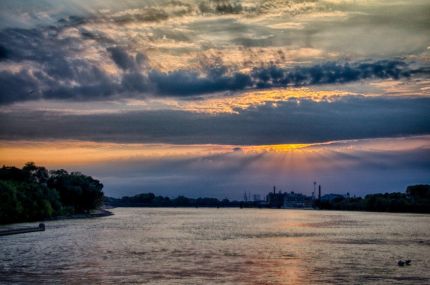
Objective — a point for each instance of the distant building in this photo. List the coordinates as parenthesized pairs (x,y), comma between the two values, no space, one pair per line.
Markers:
(288,200)
(297,200)
(256,197)
(275,199)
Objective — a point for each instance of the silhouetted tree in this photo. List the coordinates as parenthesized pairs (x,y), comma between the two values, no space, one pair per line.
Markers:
(39,174)
(76,190)
(32,193)
(420,191)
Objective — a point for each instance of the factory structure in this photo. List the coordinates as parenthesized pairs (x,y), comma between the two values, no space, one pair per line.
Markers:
(291,200)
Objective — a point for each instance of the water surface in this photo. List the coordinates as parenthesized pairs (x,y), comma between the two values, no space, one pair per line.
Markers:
(222,246)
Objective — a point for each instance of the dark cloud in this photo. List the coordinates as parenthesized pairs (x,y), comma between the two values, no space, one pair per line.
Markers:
(135,82)
(188,83)
(122,59)
(220,7)
(59,74)
(185,83)
(17,86)
(329,73)
(3,53)
(306,121)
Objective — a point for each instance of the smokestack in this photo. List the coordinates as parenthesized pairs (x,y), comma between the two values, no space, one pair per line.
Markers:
(274,189)
(319,192)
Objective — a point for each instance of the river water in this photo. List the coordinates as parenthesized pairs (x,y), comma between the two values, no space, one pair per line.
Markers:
(222,246)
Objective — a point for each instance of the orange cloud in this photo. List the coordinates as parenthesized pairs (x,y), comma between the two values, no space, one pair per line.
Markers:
(217,103)
(76,152)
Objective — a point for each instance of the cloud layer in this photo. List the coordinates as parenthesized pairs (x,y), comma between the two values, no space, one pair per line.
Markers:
(293,121)
(358,167)
(187,48)
(80,80)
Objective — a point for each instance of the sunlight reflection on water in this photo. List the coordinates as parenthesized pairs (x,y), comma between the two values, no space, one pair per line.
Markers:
(222,246)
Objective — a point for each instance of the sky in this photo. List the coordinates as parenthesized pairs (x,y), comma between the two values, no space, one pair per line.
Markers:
(219,97)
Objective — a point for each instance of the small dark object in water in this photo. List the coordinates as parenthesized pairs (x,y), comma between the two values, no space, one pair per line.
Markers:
(408,262)
(401,263)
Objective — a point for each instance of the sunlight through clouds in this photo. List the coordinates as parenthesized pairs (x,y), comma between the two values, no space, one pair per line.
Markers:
(248,92)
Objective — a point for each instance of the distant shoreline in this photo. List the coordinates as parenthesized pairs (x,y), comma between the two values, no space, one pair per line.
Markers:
(267,208)
(416,199)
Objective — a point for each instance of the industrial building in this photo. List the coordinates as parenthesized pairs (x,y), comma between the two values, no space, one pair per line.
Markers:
(288,200)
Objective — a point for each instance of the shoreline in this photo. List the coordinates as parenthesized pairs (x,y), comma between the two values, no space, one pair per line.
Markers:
(268,208)
(94,214)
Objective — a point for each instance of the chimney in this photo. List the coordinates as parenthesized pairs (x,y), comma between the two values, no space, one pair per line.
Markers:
(274,189)
(319,192)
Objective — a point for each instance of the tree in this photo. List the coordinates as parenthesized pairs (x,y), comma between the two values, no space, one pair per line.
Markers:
(10,207)
(14,174)
(78,191)
(38,174)
(32,193)
(421,191)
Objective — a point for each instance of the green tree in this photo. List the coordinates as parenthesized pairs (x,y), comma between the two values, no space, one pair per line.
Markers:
(76,190)
(10,206)
(32,193)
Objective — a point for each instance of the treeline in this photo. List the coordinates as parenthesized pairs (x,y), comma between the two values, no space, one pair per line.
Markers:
(416,199)
(150,200)
(33,193)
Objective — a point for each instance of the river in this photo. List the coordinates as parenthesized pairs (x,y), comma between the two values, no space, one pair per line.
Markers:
(222,246)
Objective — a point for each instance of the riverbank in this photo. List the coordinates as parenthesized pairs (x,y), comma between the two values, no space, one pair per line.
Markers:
(92,214)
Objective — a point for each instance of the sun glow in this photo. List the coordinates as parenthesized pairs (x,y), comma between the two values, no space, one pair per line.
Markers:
(270,157)
(77,152)
(58,153)
(275,148)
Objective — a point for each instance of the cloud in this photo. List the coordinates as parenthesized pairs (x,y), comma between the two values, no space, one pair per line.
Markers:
(17,86)
(292,121)
(186,83)
(141,15)
(76,79)
(3,53)
(122,59)
(221,7)
(330,72)
(89,56)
